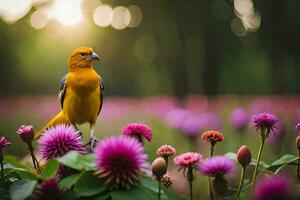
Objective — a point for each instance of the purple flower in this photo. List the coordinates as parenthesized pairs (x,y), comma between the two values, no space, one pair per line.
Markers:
(120,160)
(212,121)
(272,188)
(192,126)
(189,159)
(139,131)
(4,142)
(217,166)
(59,140)
(26,133)
(297,127)
(264,121)
(239,118)
(177,117)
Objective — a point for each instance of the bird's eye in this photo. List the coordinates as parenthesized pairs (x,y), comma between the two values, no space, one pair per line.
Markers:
(82,54)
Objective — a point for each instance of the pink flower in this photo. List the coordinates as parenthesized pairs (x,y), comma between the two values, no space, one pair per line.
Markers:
(272,188)
(59,140)
(166,150)
(217,166)
(4,142)
(297,127)
(120,161)
(26,133)
(139,131)
(189,159)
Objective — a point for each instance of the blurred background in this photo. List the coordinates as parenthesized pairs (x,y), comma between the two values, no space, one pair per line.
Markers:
(183,67)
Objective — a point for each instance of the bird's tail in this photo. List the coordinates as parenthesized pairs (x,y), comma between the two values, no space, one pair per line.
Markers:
(60,118)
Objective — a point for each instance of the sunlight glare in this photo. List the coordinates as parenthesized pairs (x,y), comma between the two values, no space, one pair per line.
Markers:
(121,18)
(67,12)
(103,15)
(136,16)
(38,19)
(13,10)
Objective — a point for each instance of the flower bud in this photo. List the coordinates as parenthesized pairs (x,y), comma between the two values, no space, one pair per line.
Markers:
(298,142)
(159,167)
(26,133)
(244,155)
(166,180)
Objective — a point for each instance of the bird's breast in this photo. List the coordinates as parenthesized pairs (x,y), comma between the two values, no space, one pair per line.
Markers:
(83,82)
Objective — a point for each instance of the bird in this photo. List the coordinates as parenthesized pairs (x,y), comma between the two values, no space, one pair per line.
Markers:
(80,93)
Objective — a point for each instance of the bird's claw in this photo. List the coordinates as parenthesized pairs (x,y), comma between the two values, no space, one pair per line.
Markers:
(91,144)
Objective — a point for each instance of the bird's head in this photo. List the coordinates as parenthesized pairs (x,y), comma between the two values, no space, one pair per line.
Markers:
(82,57)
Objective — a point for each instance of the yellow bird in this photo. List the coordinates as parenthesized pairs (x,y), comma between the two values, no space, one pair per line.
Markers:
(80,93)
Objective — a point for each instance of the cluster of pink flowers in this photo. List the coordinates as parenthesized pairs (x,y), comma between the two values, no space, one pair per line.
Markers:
(121,160)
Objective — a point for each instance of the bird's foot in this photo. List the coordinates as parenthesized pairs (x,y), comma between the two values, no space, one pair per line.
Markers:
(91,144)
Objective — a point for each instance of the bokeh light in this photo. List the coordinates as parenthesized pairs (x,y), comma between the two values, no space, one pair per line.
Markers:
(121,18)
(38,19)
(103,15)
(243,7)
(252,22)
(13,10)
(67,12)
(90,5)
(146,49)
(249,16)
(136,16)
(237,27)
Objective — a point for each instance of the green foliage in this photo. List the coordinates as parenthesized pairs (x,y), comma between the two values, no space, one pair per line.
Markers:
(50,169)
(22,189)
(77,161)
(286,159)
(69,181)
(89,185)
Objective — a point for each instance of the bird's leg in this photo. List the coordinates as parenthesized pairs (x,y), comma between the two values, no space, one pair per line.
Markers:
(93,139)
(76,127)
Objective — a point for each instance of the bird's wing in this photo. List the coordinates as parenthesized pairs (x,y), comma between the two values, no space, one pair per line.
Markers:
(101,95)
(62,90)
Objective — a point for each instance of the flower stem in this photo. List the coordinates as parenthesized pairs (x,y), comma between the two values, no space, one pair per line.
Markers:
(298,166)
(34,160)
(167,160)
(241,182)
(159,189)
(211,195)
(190,179)
(258,157)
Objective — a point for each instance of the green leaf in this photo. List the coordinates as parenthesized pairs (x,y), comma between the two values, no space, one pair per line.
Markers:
(69,181)
(89,185)
(148,182)
(286,159)
(22,189)
(50,169)
(10,169)
(77,161)
(137,191)
(13,161)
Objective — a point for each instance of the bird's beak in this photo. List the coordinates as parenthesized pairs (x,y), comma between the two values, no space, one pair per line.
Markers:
(94,56)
